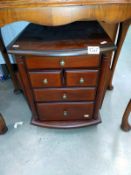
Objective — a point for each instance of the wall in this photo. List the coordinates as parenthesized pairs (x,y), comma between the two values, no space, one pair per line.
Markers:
(9,32)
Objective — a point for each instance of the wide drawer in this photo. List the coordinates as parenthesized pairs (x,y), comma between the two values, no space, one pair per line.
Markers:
(46,79)
(64,94)
(40,62)
(81,77)
(65,111)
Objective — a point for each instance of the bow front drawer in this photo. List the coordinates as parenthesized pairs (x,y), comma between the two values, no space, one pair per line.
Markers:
(64,94)
(81,77)
(65,111)
(43,62)
(46,79)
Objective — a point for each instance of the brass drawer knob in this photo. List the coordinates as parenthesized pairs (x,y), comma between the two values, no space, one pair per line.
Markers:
(65,113)
(45,81)
(82,80)
(64,96)
(62,62)
(86,115)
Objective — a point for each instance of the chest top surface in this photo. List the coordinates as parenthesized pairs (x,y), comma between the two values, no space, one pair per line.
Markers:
(75,36)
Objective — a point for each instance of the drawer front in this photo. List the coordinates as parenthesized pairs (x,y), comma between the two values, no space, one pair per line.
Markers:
(81,77)
(64,94)
(45,79)
(65,111)
(39,62)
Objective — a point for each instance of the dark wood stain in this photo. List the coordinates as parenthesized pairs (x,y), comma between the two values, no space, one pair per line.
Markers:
(63,91)
(74,111)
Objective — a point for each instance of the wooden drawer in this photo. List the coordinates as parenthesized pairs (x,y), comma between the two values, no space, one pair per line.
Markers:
(39,62)
(81,77)
(65,111)
(45,79)
(64,94)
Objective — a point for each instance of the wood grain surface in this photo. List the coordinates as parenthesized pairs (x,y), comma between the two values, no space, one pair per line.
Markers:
(89,77)
(63,13)
(74,111)
(41,3)
(53,79)
(64,94)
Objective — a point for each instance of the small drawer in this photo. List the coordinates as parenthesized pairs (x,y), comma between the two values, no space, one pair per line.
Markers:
(81,77)
(64,94)
(65,111)
(41,62)
(46,79)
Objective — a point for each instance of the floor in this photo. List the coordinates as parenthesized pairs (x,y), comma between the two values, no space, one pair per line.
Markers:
(97,150)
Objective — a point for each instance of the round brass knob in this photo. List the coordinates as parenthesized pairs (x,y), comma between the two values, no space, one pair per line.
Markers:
(65,113)
(82,80)
(64,96)
(62,62)
(45,81)
(86,115)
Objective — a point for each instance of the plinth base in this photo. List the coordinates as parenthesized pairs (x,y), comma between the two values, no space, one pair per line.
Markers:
(66,124)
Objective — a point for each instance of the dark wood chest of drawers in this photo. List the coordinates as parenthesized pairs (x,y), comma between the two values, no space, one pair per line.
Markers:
(63,72)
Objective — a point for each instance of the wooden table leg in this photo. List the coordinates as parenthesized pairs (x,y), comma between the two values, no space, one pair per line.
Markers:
(9,66)
(121,37)
(125,123)
(3,127)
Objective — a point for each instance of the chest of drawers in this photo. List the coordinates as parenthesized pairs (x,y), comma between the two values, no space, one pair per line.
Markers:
(63,79)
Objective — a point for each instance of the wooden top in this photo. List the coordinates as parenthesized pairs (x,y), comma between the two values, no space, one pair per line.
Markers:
(71,37)
(59,12)
(42,3)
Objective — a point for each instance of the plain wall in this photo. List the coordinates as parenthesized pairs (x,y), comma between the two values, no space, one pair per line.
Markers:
(9,32)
